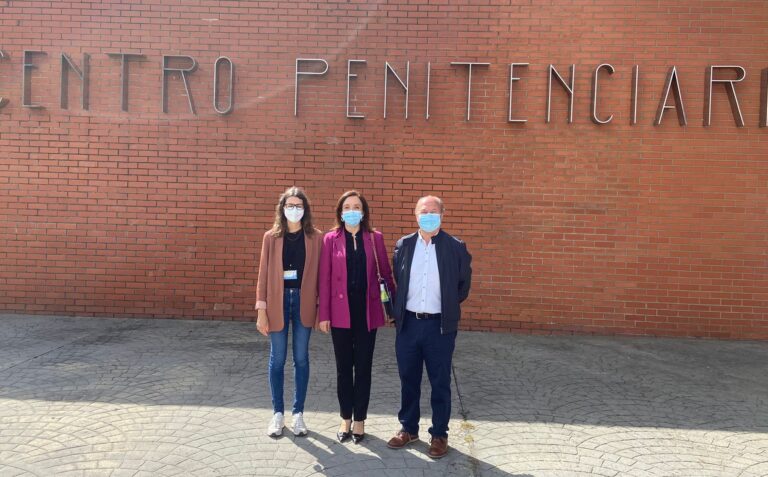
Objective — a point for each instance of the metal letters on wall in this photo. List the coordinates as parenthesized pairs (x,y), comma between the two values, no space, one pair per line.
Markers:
(512,79)
(26,83)
(305,73)
(223,99)
(593,107)
(729,88)
(125,58)
(568,87)
(231,103)
(764,98)
(167,70)
(66,66)
(387,70)
(671,84)
(469,81)
(350,77)
(3,101)
(635,92)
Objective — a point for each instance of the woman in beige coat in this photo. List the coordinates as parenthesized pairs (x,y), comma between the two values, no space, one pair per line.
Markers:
(286,298)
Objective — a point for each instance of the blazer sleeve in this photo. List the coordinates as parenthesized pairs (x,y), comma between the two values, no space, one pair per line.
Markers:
(465,272)
(261,284)
(384,267)
(324,280)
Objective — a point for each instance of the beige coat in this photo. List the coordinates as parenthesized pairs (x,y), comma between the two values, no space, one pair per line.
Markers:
(269,289)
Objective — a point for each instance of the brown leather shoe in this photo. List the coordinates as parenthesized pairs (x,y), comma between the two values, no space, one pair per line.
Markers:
(402,439)
(438,447)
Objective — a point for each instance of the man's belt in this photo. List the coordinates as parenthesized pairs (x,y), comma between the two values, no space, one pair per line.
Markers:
(425,316)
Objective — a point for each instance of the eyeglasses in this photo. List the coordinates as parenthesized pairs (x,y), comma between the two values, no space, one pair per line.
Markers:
(293,207)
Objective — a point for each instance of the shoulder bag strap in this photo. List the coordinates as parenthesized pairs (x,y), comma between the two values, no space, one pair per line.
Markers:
(375,256)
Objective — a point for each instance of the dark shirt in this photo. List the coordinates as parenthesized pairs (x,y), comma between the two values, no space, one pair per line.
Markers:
(294,255)
(357,283)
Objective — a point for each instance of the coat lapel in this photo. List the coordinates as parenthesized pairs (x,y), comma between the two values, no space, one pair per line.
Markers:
(409,251)
(438,248)
(279,255)
(340,242)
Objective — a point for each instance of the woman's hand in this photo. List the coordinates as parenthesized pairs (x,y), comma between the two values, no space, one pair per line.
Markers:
(262,323)
(324,326)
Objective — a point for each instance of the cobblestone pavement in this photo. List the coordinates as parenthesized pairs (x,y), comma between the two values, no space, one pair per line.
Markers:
(86,396)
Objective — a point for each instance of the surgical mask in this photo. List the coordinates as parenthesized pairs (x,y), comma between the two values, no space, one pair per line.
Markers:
(352,217)
(429,222)
(293,215)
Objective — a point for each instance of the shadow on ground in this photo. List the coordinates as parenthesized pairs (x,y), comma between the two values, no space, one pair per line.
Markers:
(154,397)
(613,381)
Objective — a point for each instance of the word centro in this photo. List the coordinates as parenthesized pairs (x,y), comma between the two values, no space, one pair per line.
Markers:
(671,97)
(83,73)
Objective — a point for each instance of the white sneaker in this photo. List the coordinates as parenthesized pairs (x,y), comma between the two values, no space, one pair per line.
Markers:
(276,425)
(299,428)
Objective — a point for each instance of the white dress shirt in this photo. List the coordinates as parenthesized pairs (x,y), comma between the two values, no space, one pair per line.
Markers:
(424,284)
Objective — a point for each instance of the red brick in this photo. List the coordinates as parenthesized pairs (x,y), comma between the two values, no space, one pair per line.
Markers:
(574,228)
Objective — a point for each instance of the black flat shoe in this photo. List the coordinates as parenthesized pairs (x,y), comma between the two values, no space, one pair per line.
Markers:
(343,436)
(358,438)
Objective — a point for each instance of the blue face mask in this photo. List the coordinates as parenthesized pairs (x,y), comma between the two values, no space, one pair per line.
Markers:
(352,217)
(429,222)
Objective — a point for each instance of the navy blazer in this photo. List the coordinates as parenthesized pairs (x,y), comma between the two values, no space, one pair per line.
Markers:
(453,264)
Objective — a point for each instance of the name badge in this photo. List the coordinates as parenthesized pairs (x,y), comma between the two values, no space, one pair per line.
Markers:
(290,275)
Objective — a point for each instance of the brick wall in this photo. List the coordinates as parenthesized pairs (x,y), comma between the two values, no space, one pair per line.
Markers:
(574,228)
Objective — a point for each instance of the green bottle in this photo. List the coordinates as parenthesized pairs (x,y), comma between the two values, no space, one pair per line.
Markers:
(384,294)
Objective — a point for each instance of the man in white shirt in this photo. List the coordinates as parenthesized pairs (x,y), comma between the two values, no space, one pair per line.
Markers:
(433,273)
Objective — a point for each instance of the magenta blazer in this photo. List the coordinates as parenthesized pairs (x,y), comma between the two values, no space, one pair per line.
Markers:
(332,279)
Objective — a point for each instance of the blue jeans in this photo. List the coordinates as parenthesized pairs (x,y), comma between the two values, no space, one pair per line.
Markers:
(279,350)
(420,344)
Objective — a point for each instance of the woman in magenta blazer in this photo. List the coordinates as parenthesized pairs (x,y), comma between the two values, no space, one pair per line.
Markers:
(350,305)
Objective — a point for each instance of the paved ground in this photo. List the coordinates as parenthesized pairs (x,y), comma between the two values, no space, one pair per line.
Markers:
(85,396)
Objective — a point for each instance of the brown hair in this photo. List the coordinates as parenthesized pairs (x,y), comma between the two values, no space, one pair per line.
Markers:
(365,224)
(281,223)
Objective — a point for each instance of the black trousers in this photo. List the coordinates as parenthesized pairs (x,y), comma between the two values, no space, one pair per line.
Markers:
(353,348)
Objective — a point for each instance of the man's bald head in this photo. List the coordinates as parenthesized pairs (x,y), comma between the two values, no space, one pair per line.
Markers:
(429,204)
